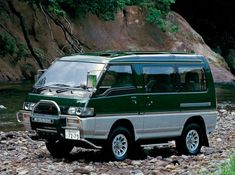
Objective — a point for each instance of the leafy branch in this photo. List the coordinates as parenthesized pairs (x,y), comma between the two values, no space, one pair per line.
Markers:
(156,10)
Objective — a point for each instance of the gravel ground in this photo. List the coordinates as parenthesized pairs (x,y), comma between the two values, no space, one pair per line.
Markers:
(20,155)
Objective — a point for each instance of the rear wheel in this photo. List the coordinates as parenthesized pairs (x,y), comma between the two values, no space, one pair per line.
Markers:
(59,148)
(190,142)
(119,143)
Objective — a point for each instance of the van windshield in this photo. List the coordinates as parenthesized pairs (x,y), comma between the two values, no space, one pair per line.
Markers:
(68,74)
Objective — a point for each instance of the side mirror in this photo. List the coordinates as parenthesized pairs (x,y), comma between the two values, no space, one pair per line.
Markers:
(39,74)
(91,80)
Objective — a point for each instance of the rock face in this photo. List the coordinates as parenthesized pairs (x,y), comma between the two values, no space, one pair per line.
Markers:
(129,31)
(188,40)
(21,155)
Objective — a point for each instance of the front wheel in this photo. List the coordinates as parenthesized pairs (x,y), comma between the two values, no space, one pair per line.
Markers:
(119,143)
(190,142)
(60,148)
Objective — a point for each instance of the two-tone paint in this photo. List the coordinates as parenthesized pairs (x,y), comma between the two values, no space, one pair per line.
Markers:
(150,115)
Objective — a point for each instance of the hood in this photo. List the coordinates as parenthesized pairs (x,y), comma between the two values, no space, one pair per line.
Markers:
(61,100)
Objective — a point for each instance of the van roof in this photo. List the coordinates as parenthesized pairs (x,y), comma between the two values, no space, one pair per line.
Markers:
(129,56)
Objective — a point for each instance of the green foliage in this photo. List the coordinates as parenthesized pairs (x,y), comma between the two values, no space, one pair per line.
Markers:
(155,16)
(107,9)
(229,168)
(22,51)
(7,44)
(40,53)
(157,11)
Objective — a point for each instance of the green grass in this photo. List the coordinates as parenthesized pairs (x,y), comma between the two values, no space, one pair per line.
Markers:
(228,168)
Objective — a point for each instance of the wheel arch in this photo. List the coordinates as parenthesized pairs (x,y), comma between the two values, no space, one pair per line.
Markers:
(200,121)
(123,123)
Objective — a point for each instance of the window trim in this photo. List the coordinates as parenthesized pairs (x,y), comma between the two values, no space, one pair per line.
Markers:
(113,89)
(202,68)
(173,66)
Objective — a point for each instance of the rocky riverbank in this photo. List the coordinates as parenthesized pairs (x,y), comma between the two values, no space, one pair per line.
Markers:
(20,155)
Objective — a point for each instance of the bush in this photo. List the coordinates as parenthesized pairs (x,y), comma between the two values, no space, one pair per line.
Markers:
(22,50)
(107,9)
(7,44)
(157,11)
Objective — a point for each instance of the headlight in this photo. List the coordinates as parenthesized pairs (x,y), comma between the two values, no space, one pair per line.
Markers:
(73,111)
(28,106)
(81,111)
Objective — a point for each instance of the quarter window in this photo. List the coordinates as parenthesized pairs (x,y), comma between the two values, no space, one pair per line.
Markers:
(159,79)
(192,79)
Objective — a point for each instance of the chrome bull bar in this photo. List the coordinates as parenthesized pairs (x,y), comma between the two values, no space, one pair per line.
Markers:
(49,102)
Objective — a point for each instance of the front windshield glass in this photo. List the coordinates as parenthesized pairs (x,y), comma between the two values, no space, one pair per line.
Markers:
(68,74)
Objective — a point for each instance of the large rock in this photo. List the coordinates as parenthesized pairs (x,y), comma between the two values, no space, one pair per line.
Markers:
(188,40)
(129,31)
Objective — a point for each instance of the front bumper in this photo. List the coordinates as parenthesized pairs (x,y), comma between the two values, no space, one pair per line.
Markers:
(34,135)
(23,117)
(52,127)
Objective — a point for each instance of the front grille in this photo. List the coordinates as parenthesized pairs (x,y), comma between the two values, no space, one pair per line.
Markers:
(46,119)
(44,126)
(46,108)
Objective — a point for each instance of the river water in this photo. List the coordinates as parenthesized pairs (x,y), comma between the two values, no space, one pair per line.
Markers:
(12,96)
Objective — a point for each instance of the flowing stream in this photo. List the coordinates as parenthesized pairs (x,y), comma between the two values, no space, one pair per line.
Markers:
(12,96)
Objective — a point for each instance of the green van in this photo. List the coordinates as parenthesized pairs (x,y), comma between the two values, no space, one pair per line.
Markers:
(120,100)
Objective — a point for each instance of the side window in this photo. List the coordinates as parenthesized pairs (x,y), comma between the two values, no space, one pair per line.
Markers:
(117,77)
(192,79)
(159,78)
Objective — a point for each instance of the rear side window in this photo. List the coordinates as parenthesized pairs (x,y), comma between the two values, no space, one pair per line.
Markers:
(192,79)
(159,78)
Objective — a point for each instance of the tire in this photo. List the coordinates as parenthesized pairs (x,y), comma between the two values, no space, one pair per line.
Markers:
(190,142)
(59,149)
(119,143)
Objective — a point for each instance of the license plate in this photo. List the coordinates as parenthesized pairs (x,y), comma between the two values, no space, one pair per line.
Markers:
(72,134)
(42,120)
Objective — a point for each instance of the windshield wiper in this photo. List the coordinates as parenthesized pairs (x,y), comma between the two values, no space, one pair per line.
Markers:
(81,87)
(41,88)
(60,85)
(62,90)
(70,88)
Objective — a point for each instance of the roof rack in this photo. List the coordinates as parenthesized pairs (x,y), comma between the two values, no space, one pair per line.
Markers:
(154,52)
(111,53)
